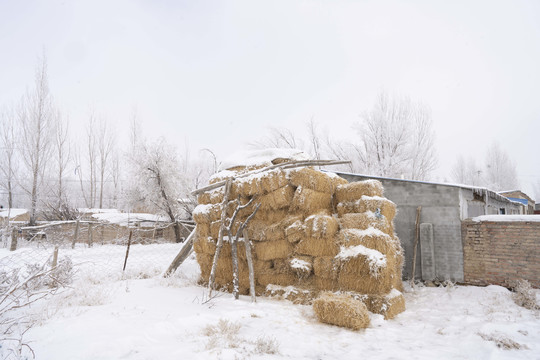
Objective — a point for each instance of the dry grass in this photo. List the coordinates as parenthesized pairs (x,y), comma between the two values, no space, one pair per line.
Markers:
(271,216)
(355,190)
(523,294)
(277,279)
(315,180)
(317,247)
(386,305)
(295,232)
(325,284)
(326,267)
(269,250)
(309,201)
(277,199)
(502,341)
(291,293)
(341,310)
(321,226)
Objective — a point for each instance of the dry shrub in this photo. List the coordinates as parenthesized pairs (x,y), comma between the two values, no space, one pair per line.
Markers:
(269,250)
(355,190)
(524,294)
(389,305)
(321,226)
(310,201)
(326,267)
(277,199)
(341,310)
(374,204)
(317,247)
(315,180)
(376,240)
(503,341)
(366,220)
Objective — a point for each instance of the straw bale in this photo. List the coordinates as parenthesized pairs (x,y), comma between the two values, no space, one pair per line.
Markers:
(211,197)
(297,295)
(317,247)
(326,267)
(261,183)
(203,230)
(256,230)
(269,250)
(223,269)
(277,199)
(375,203)
(388,305)
(315,180)
(355,190)
(364,284)
(370,238)
(276,279)
(222,175)
(295,231)
(302,266)
(281,266)
(271,216)
(310,201)
(321,226)
(275,232)
(365,220)
(325,284)
(341,310)
(204,245)
(206,214)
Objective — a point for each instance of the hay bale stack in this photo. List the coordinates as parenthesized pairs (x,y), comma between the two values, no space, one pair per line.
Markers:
(313,232)
(341,310)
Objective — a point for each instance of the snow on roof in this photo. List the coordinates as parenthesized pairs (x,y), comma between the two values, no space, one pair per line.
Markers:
(262,157)
(124,219)
(529,218)
(13,213)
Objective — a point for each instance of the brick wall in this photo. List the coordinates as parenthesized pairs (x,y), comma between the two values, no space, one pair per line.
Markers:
(495,252)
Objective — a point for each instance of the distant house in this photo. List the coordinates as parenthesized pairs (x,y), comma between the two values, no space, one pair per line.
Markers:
(537,208)
(520,196)
(444,206)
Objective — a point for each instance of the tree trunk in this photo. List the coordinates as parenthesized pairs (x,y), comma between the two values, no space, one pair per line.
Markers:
(250,267)
(234,255)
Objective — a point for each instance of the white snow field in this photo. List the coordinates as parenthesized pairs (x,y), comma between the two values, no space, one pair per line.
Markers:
(115,316)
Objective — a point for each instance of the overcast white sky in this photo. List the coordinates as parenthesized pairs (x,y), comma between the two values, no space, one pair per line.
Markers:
(215,72)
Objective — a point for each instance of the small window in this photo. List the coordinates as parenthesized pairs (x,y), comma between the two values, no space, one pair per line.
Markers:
(502,211)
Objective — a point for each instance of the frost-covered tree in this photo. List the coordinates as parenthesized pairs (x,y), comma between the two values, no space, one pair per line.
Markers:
(397,139)
(36,116)
(8,154)
(158,183)
(501,171)
(466,171)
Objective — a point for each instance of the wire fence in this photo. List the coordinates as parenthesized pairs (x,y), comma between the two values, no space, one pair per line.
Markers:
(95,249)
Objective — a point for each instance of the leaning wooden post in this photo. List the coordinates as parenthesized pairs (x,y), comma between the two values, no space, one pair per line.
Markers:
(250,267)
(182,255)
(234,256)
(127,250)
(220,236)
(416,240)
(14,235)
(75,235)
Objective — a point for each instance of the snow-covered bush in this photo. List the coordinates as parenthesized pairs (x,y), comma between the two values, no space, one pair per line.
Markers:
(523,294)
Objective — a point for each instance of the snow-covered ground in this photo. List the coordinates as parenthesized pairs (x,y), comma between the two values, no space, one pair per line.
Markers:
(115,317)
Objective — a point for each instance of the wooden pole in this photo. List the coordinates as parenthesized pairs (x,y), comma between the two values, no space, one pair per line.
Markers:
(416,240)
(75,235)
(182,255)
(250,267)
(234,255)
(127,250)
(14,235)
(90,236)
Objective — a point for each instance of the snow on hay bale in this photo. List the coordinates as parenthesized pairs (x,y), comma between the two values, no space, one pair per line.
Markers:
(341,310)
(313,232)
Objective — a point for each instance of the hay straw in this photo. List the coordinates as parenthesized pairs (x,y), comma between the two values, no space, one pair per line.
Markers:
(270,250)
(370,238)
(294,294)
(302,266)
(389,305)
(211,197)
(271,216)
(386,207)
(256,230)
(325,267)
(321,226)
(364,284)
(355,190)
(276,279)
(317,247)
(277,199)
(341,310)
(366,220)
(315,180)
(295,232)
(261,183)
(204,245)
(205,214)
(325,284)
(310,201)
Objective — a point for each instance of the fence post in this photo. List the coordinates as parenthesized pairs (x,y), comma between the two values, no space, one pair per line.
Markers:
(127,250)
(14,235)
(76,235)
(90,235)
(55,257)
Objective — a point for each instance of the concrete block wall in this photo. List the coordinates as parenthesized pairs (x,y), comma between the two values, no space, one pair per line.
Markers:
(495,252)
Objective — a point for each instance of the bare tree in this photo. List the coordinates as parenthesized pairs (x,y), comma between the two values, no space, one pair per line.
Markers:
(8,143)
(466,171)
(105,143)
(62,148)
(501,171)
(36,117)
(279,138)
(423,154)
